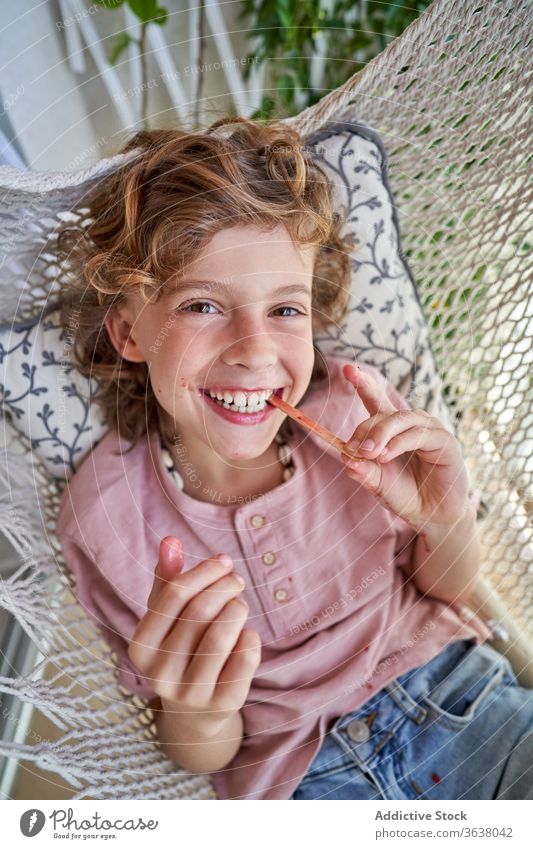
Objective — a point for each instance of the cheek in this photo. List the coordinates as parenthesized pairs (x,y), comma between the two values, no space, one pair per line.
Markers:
(167,377)
(175,366)
(299,349)
(170,381)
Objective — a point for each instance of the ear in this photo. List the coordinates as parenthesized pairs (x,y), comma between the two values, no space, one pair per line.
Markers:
(118,323)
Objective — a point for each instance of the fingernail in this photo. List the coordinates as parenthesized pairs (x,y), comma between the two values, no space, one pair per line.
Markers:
(174,549)
(225,559)
(368,445)
(239,578)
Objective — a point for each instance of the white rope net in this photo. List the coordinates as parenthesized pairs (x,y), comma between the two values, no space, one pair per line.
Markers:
(450,101)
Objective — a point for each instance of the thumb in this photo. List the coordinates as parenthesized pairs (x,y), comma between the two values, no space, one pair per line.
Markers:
(171,561)
(170,557)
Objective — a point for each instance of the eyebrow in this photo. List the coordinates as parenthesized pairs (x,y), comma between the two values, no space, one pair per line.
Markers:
(291,289)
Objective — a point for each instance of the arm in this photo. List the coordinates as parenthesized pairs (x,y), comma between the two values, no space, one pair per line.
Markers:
(447,559)
(194,748)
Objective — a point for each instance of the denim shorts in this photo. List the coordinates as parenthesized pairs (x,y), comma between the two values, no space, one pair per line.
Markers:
(458,727)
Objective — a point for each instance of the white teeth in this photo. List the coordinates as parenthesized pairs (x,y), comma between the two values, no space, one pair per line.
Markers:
(253,399)
(240,401)
(247,408)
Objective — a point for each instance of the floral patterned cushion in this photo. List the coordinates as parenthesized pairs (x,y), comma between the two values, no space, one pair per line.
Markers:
(385,324)
(49,401)
(45,397)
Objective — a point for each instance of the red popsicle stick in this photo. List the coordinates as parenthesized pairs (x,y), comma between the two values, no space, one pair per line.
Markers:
(307,422)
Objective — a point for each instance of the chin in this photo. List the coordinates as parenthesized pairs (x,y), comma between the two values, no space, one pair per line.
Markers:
(241,454)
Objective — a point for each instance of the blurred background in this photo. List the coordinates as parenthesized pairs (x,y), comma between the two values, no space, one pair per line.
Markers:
(78,78)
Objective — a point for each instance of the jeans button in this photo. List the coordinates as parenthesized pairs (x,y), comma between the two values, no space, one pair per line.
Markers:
(358,731)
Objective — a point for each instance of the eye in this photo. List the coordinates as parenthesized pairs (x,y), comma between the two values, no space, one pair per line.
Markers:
(294,310)
(187,307)
(202,307)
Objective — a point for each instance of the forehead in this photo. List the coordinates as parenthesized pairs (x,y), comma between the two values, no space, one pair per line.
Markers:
(245,253)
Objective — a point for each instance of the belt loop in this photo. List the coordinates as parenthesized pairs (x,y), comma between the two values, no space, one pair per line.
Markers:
(402,698)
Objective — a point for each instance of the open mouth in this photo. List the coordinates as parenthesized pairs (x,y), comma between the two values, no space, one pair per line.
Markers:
(243,402)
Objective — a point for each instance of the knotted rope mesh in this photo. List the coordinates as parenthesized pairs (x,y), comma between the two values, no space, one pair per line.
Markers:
(449,98)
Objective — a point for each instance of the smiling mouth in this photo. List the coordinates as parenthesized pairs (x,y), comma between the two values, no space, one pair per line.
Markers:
(239,401)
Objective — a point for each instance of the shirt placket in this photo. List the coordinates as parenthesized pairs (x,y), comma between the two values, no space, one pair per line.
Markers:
(266,568)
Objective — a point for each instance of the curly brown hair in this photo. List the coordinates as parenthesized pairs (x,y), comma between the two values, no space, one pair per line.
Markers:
(157,212)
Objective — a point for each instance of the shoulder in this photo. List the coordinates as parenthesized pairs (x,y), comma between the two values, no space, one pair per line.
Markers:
(105,477)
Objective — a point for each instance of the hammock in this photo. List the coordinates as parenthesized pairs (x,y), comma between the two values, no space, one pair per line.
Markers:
(449,98)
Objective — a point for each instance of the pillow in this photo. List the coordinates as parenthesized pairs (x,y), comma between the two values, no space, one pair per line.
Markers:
(48,400)
(45,397)
(385,324)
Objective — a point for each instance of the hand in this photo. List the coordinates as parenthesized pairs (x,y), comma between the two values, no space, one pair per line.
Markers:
(416,468)
(191,644)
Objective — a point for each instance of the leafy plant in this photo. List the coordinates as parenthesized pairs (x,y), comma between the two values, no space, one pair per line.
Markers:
(148,12)
(288,31)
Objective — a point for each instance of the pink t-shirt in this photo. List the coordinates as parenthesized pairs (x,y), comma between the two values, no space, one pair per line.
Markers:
(321,558)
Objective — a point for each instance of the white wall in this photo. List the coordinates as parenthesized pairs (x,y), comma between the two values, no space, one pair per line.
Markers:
(66,118)
(38,92)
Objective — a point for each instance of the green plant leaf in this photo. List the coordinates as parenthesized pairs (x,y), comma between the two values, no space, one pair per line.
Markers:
(120,45)
(109,4)
(161,17)
(148,11)
(144,9)
(285,18)
(286,89)
(285,32)
(266,109)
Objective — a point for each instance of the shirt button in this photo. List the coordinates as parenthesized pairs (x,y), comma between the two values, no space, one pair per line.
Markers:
(466,614)
(281,594)
(358,731)
(257,521)
(268,558)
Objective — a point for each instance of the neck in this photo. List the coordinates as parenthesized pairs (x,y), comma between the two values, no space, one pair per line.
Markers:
(222,483)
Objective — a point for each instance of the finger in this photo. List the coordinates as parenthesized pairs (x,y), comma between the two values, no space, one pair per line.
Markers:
(234,680)
(366,472)
(371,436)
(434,445)
(218,641)
(182,612)
(372,394)
(186,633)
(170,563)
(166,606)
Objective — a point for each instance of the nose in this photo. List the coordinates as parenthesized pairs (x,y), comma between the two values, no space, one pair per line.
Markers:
(249,344)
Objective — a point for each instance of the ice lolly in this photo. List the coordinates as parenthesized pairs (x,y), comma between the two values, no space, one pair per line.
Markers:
(307,422)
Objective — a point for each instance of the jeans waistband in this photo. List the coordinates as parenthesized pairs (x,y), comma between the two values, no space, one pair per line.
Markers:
(406,689)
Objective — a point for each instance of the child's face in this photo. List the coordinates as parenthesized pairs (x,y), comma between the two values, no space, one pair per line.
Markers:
(237,334)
